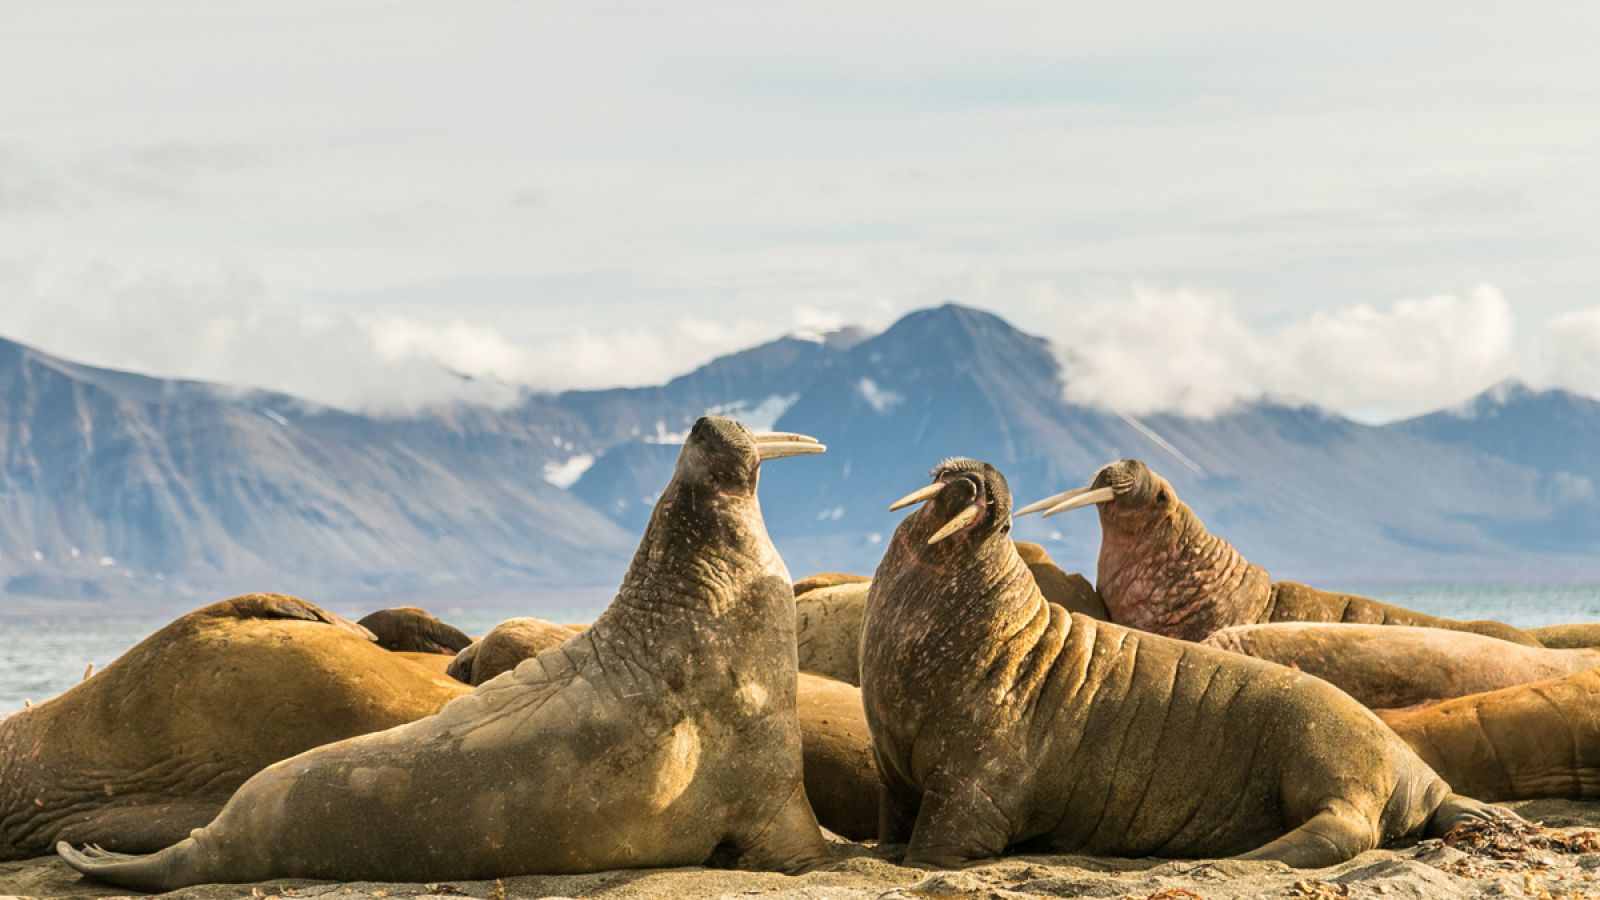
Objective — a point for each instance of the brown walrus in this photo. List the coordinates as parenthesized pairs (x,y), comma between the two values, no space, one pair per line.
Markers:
(1571,636)
(1388,666)
(152,746)
(506,645)
(826,579)
(1517,743)
(1001,720)
(829,616)
(663,735)
(407,629)
(1161,571)
(836,750)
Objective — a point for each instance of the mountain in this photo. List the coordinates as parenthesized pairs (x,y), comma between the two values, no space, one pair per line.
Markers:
(116,485)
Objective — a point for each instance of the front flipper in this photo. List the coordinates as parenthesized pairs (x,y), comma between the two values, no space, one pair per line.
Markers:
(1459,810)
(791,843)
(1330,837)
(959,825)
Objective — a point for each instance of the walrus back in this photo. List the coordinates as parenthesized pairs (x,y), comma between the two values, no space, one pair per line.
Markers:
(1186,750)
(1294,602)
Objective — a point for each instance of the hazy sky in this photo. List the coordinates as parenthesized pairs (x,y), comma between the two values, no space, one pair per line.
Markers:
(1378,207)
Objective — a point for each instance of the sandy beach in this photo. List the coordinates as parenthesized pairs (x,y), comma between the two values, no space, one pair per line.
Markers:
(1486,865)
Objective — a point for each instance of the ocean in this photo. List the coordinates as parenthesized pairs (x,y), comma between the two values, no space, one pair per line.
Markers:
(41,656)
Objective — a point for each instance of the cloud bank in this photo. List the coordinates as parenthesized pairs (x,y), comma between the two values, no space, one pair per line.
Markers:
(1188,352)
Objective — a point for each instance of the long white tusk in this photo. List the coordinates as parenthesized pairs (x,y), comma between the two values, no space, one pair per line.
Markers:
(1048,502)
(961,520)
(919,495)
(1098,495)
(780,449)
(767,436)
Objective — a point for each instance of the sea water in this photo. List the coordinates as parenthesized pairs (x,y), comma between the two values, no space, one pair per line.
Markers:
(41,657)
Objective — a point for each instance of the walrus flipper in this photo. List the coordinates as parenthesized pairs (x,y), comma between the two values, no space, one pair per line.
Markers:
(283,606)
(1459,810)
(1329,838)
(152,873)
(791,843)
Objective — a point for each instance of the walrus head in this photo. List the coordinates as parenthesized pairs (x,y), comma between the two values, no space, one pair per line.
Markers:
(968,503)
(1129,495)
(723,455)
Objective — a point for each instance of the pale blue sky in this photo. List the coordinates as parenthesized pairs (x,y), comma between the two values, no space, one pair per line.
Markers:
(587,194)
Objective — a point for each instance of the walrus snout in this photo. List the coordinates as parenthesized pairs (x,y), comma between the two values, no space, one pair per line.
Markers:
(963,494)
(1127,481)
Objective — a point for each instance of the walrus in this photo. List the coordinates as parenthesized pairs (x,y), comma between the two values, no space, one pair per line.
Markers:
(506,645)
(1571,636)
(836,751)
(841,776)
(1517,743)
(407,629)
(664,735)
(1161,571)
(153,745)
(1388,666)
(826,579)
(1000,720)
(829,617)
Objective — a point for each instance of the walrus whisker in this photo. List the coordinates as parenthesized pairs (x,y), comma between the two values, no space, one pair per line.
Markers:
(919,495)
(1050,501)
(960,520)
(1098,495)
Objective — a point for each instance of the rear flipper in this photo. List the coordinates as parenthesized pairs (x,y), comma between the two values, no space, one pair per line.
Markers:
(153,873)
(1459,810)
(1327,839)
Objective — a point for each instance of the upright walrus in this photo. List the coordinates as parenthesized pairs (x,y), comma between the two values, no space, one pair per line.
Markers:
(1161,571)
(150,748)
(1000,719)
(663,735)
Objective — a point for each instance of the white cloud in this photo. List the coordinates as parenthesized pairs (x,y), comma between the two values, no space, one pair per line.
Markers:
(1191,352)
(1569,352)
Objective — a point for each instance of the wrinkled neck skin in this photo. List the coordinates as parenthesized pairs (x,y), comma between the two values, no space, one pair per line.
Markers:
(964,616)
(706,587)
(1174,578)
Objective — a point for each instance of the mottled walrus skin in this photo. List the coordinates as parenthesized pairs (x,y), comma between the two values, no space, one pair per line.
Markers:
(837,752)
(505,646)
(1161,571)
(1068,589)
(152,746)
(1388,666)
(1517,743)
(1573,636)
(663,735)
(841,776)
(407,629)
(1000,720)
(828,630)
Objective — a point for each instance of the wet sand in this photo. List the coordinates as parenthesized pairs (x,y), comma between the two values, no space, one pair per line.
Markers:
(1517,867)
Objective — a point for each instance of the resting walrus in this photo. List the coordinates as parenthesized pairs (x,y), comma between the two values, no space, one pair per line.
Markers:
(505,646)
(151,748)
(1517,743)
(1000,719)
(663,735)
(1389,666)
(407,629)
(1161,571)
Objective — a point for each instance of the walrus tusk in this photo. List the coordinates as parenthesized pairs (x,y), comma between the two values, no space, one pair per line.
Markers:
(777,445)
(1099,495)
(1048,502)
(961,520)
(918,495)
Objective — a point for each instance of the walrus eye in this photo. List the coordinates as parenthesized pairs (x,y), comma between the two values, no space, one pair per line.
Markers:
(1162,497)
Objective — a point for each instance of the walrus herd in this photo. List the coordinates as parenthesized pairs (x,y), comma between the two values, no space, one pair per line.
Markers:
(967,700)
